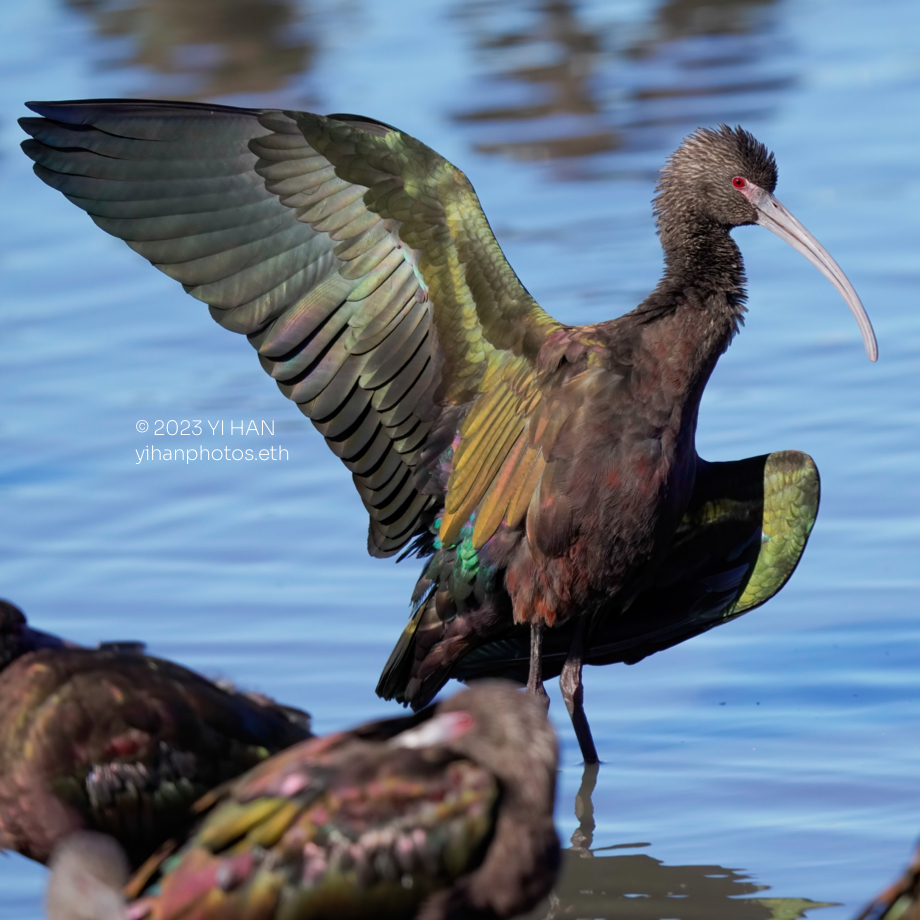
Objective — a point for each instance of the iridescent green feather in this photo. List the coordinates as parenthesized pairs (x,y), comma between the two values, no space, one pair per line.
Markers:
(792,492)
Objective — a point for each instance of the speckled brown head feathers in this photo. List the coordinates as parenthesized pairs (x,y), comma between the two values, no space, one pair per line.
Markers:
(696,180)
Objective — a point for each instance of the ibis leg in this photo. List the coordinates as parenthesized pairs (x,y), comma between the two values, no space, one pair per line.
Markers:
(535,677)
(573,693)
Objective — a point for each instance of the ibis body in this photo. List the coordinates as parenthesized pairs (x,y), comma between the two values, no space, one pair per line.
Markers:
(446,815)
(111,739)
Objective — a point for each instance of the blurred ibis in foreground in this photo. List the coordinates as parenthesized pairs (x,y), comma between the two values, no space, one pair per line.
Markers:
(445,814)
(544,469)
(114,740)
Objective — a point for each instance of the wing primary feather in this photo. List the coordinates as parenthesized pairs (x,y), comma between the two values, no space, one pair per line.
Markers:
(353,246)
(338,218)
(337,391)
(371,458)
(412,441)
(361,223)
(358,441)
(348,415)
(179,226)
(223,265)
(385,497)
(207,279)
(404,342)
(165,205)
(402,430)
(94,189)
(189,247)
(297,323)
(368,493)
(392,392)
(373,279)
(316,345)
(390,462)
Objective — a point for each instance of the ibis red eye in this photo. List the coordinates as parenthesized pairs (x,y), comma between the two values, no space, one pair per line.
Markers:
(738,182)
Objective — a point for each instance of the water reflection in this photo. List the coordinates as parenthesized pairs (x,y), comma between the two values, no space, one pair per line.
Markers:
(207,48)
(642,888)
(559,100)
(639,887)
(683,18)
(570,89)
(705,60)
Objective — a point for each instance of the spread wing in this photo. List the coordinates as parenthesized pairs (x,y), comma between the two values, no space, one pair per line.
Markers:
(738,544)
(362,269)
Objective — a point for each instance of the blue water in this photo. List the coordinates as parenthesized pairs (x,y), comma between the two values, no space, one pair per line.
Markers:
(783,747)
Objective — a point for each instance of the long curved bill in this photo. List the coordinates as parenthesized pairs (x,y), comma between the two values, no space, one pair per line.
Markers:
(773,216)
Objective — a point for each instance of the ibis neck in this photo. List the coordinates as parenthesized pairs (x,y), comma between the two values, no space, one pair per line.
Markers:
(701,255)
(690,318)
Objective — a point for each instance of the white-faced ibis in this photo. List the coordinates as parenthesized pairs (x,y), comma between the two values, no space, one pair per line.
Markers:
(114,740)
(543,467)
(900,900)
(445,814)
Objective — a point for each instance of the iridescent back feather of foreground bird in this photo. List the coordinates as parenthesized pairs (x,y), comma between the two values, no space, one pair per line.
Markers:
(444,815)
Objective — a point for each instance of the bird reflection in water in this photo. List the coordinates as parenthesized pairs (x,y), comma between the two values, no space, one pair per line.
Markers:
(208,48)
(559,109)
(596,883)
(574,90)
